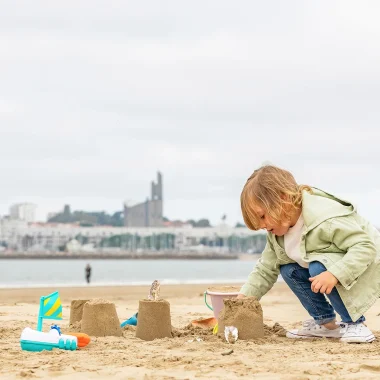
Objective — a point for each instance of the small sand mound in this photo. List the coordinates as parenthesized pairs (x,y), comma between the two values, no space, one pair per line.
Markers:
(246,314)
(129,328)
(276,329)
(191,330)
(128,331)
(76,310)
(154,320)
(100,319)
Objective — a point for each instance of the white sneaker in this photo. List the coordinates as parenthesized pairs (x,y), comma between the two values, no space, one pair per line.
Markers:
(311,330)
(358,333)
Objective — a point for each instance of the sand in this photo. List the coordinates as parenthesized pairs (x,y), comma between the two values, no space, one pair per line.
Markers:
(182,357)
(76,311)
(100,318)
(154,320)
(224,289)
(244,314)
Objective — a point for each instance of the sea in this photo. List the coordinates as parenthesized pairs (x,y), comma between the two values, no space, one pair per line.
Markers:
(35,273)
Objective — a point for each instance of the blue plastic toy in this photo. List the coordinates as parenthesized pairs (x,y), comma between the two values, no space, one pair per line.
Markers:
(36,340)
(131,321)
(56,327)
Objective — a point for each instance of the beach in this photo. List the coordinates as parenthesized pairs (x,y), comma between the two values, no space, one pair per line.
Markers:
(180,357)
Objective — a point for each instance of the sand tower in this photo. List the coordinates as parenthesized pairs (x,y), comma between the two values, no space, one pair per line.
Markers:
(100,319)
(245,314)
(154,320)
(76,311)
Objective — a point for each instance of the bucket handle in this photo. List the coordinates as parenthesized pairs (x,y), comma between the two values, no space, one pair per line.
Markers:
(205,294)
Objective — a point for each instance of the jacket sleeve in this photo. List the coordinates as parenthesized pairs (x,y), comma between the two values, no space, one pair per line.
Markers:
(360,250)
(264,275)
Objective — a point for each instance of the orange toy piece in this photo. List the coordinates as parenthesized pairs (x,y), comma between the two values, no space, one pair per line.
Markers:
(83,339)
(204,323)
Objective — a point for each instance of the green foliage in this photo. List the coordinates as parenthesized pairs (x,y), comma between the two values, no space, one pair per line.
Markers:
(82,239)
(203,223)
(88,219)
(199,223)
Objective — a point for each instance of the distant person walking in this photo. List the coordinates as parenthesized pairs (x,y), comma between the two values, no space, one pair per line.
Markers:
(88,273)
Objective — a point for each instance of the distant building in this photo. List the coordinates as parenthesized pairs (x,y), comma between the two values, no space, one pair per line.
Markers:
(51,215)
(9,228)
(39,237)
(23,211)
(148,213)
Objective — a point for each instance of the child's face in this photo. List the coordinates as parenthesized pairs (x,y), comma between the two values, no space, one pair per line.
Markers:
(267,223)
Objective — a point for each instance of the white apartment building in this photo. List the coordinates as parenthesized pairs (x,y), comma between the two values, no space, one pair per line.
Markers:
(9,229)
(23,211)
(50,237)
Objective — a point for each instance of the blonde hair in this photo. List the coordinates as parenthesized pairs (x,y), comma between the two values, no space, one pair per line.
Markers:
(271,188)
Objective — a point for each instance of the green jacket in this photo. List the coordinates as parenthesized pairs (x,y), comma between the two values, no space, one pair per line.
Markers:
(335,235)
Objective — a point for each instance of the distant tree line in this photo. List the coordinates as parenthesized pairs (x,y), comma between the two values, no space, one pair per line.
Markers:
(194,223)
(88,219)
(198,223)
(101,218)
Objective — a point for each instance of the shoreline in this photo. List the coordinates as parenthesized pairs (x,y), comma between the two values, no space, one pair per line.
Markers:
(122,256)
(120,285)
(127,292)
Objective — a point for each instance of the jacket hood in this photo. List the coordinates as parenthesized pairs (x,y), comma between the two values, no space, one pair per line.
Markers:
(320,206)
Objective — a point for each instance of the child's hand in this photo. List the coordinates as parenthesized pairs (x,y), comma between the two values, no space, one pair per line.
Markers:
(323,283)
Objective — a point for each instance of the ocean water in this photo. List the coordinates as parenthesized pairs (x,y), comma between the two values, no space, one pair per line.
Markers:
(65,273)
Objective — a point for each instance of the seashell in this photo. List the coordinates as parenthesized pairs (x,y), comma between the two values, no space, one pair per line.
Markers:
(231,334)
(154,292)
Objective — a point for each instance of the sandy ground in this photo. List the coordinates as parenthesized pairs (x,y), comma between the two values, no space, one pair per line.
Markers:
(176,358)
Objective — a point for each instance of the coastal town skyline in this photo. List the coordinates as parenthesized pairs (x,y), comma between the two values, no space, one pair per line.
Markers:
(46,207)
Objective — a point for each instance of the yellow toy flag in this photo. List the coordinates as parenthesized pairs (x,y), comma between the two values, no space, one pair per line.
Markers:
(50,308)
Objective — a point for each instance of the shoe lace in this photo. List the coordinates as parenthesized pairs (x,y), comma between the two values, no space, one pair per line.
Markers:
(309,324)
(354,327)
(343,327)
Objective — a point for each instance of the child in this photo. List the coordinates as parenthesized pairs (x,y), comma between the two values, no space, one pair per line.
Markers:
(321,246)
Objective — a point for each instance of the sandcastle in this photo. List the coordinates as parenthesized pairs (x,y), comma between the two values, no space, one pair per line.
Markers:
(97,317)
(76,311)
(245,314)
(154,321)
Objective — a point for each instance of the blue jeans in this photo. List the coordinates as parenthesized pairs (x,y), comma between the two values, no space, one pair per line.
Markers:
(316,304)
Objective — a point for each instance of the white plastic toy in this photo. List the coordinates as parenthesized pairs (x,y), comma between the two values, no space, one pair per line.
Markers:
(36,340)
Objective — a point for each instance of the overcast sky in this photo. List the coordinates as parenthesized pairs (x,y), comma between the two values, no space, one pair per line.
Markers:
(96,96)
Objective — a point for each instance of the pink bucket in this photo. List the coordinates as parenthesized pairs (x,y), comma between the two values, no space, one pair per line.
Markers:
(217,300)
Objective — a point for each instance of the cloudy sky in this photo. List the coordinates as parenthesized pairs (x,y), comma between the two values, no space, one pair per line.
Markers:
(96,96)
